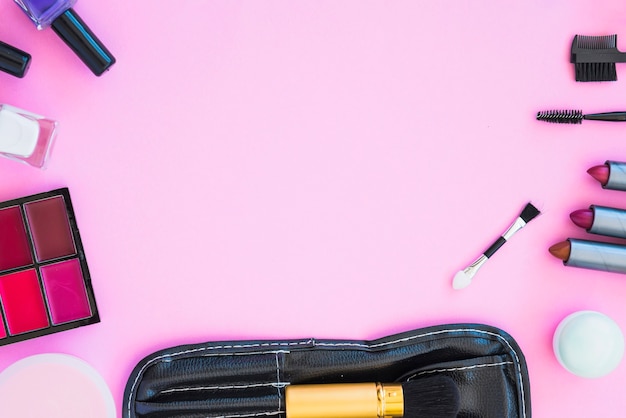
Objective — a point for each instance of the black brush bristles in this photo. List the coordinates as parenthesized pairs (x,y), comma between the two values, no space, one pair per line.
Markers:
(529,213)
(595,71)
(561,116)
(594,57)
(431,397)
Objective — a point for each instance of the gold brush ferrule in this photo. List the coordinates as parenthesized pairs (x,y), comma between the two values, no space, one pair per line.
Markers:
(390,400)
(344,400)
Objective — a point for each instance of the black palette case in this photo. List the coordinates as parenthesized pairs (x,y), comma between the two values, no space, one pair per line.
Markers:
(243,379)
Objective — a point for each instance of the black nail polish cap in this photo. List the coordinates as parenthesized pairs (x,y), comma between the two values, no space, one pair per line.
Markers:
(77,35)
(13,61)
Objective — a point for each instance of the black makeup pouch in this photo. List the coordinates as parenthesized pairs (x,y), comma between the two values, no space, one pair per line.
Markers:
(242,379)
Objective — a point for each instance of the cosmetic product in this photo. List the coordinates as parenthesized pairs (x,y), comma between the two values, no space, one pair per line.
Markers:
(601,220)
(60,15)
(54,386)
(45,286)
(611,175)
(588,344)
(13,61)
(593,255)
(575,117)
(594,57)
(464,277)
(432,397)
(25,136)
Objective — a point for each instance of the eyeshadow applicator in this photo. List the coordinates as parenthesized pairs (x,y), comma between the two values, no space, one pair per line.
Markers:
(429,397)
(464,277)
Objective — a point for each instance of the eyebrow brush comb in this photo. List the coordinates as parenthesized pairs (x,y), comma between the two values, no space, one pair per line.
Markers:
(594,57)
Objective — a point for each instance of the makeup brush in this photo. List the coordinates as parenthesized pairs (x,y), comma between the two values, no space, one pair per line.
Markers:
(594,57)
(464,277)
(576,117)
(428,397)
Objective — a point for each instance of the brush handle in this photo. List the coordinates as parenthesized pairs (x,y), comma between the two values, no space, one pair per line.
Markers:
(515,226)
(608,116)
(494,247)
(597,57)
(344,400)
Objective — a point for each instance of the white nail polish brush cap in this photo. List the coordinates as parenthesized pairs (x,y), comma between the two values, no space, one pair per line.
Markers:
(588,344)
(18,133)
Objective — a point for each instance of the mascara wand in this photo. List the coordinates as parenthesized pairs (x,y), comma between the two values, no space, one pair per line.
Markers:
(464,277)
(575,117)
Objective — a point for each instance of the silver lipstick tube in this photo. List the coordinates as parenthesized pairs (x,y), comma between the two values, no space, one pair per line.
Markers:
(597,256)
(617,176)
(607,221)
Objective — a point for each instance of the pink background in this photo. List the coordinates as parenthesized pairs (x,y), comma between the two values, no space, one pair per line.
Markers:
(278,169)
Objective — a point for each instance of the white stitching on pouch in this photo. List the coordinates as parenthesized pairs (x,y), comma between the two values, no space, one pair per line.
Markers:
(280,398)
(250,353)
(454,369)
(226,387)
(167,357)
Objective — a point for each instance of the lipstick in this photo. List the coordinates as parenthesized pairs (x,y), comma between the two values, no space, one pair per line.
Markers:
(611,175)
(601,220)
(592,255)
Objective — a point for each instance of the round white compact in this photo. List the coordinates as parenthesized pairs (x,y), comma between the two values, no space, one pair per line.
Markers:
(588,344)
(54,386)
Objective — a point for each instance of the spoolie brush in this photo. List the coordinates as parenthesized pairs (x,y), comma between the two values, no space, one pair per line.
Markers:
(594,57)
(464,277)
(576,116)
(428,397)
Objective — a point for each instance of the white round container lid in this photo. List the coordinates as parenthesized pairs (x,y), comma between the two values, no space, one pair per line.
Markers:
(54,386)
(588,344)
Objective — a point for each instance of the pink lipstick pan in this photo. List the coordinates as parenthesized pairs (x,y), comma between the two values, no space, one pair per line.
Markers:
(45,286)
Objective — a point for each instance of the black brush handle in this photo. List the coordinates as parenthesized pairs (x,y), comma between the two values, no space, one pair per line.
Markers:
(606,56)
(608,116)
(494,247)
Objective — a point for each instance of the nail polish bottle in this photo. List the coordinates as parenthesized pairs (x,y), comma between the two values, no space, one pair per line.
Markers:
(13,61)
(26,137)
(59,15)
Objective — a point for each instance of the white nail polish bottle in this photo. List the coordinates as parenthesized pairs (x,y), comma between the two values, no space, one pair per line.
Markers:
(25,136)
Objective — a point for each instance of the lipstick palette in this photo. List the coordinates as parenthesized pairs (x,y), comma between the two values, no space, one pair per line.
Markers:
(45,286)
